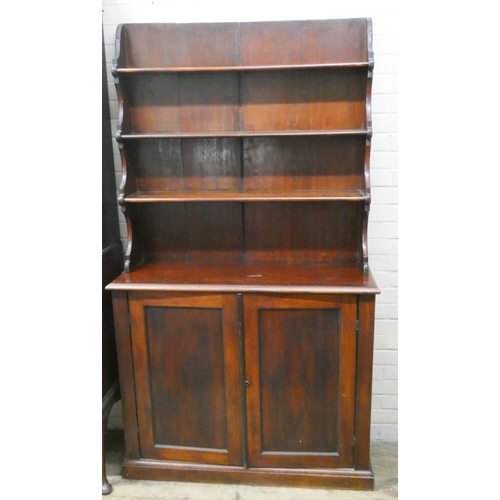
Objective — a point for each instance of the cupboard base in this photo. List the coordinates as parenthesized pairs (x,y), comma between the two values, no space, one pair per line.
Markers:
(319,478)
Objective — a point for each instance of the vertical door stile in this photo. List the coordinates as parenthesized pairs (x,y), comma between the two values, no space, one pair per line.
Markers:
(241,363)
(232,370)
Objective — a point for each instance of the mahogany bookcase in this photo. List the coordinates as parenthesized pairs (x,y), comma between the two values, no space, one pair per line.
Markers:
(245,313)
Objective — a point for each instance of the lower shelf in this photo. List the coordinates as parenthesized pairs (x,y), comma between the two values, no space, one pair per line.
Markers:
(247,195)
(310,478)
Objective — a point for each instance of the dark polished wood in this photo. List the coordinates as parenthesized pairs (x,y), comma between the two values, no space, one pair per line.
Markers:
(321,99)
(196,232)
(288,232)
(364,380)
(299,43)
(177,45)
(262,45)
(269,476)
(253,232)
(244,318)
(255,195)
(256,101)
(271,167)
(300,372)
(187,377)
(126,372)
(290,277)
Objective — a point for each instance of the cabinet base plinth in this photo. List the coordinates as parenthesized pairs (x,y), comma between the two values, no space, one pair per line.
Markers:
(198,473)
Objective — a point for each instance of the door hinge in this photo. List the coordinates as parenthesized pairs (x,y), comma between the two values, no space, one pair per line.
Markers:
(357,325)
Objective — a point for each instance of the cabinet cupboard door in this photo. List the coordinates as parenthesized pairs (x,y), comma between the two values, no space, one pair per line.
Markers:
(185,350)
(300,375)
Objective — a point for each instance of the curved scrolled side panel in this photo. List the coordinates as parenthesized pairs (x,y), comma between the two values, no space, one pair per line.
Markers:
(119,96)
(123,182)
(368,136)
(118,61)
(369,81)
(368,187)
(368,199)
(368,111)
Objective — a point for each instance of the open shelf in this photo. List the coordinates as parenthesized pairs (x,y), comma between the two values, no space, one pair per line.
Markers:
(247,277)
(296,167)
(248,46)
(261,231)
(325,100)
(243,134)
(180,196)
(276,67)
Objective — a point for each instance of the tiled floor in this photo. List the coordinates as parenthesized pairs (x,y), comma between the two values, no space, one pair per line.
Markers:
(384,458)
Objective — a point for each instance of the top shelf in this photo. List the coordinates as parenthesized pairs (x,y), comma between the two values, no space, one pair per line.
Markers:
(249,46)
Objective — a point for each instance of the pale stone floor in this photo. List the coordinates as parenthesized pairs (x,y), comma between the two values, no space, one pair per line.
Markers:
(384,457)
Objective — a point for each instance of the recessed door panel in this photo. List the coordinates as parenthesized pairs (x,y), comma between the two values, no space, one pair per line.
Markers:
(298,359)
(300,371)
(186,352)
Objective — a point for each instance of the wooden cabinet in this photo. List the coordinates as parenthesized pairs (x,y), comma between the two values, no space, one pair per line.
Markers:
(244,317)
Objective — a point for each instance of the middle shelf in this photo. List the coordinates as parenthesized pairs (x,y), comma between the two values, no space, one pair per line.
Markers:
(245,169)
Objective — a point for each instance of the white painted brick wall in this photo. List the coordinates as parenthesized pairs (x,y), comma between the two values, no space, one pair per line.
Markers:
(383,226)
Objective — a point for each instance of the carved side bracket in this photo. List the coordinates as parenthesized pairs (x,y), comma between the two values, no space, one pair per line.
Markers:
(368,196)
(128,251)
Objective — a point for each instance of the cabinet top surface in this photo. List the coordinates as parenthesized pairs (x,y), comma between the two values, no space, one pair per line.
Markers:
(247,45)
(247,277)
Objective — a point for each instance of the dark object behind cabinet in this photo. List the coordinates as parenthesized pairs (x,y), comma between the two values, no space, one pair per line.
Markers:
(112,266)
(245,315)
